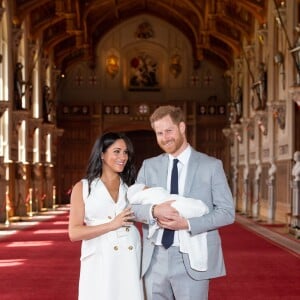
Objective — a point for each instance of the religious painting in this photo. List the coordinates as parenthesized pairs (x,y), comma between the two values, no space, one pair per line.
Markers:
(143,73)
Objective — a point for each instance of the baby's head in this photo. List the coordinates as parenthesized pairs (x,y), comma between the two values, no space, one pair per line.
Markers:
(135,188)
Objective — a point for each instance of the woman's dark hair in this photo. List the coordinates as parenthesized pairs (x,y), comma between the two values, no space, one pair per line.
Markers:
(94,167)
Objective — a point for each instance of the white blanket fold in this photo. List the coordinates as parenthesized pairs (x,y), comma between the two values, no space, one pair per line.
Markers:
(195,246)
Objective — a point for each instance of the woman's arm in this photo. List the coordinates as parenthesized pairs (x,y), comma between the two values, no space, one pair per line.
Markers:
(79,231)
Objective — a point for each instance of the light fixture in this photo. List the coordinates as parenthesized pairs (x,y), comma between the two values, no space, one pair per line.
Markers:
(278,58)
(112,65)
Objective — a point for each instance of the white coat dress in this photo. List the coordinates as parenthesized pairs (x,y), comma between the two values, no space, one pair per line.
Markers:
(110,263)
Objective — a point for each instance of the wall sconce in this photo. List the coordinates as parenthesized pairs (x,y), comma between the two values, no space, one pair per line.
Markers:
(278,58)
(279,110)
(112,65)
(263,34)
(175,65)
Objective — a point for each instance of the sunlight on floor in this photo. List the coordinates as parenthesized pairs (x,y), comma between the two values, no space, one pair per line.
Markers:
(30,244)
(11,262)
(50,231)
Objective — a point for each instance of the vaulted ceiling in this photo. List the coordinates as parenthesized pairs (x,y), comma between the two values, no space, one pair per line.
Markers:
(70,29)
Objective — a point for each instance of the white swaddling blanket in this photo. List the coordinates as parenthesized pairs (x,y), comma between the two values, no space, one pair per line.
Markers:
(195,246)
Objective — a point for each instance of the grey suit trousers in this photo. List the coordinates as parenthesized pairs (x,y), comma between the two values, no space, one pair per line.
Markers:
(167,278)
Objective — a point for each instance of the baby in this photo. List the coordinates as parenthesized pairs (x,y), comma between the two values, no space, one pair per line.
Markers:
(194,246)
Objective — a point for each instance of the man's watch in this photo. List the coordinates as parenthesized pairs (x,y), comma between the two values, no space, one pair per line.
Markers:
(152,211)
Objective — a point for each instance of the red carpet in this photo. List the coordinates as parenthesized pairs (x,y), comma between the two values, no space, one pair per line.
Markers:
(41,263)
(256,269)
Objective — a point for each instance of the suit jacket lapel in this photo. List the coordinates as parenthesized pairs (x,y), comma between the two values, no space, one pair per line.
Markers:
(193,165)
(163,174)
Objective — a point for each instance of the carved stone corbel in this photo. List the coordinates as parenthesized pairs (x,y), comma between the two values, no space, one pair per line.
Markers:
(3,107)
(238,132)
(228,133)
(248,123)
(262,122)
(295,94)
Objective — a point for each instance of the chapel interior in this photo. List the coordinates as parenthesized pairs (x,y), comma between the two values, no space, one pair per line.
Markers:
(71,70)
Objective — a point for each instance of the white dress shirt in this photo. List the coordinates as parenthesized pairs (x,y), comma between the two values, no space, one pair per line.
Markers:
(182,171)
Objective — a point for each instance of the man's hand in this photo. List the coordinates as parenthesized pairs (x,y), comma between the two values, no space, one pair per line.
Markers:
(168,217)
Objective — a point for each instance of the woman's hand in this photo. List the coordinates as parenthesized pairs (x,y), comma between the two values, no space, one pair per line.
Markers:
(124,218)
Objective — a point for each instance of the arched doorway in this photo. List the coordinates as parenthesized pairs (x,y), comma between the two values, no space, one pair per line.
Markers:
(145,145)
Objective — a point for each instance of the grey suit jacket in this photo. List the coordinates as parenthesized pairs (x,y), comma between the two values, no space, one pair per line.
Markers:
(205,180)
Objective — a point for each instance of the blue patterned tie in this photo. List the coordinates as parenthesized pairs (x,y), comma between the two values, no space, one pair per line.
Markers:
(168,234)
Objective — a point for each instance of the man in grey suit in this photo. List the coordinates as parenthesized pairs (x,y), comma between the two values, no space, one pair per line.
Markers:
(167,271)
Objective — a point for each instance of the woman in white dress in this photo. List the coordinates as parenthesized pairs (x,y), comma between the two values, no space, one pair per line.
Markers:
(101,219)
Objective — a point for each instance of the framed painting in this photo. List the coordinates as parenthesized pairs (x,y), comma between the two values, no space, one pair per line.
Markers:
(143,73)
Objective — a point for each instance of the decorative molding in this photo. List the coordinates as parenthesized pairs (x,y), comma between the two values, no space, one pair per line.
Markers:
(47,128)
(295,93)
(283,149)
(34,123)
(20,115)
(248,124)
